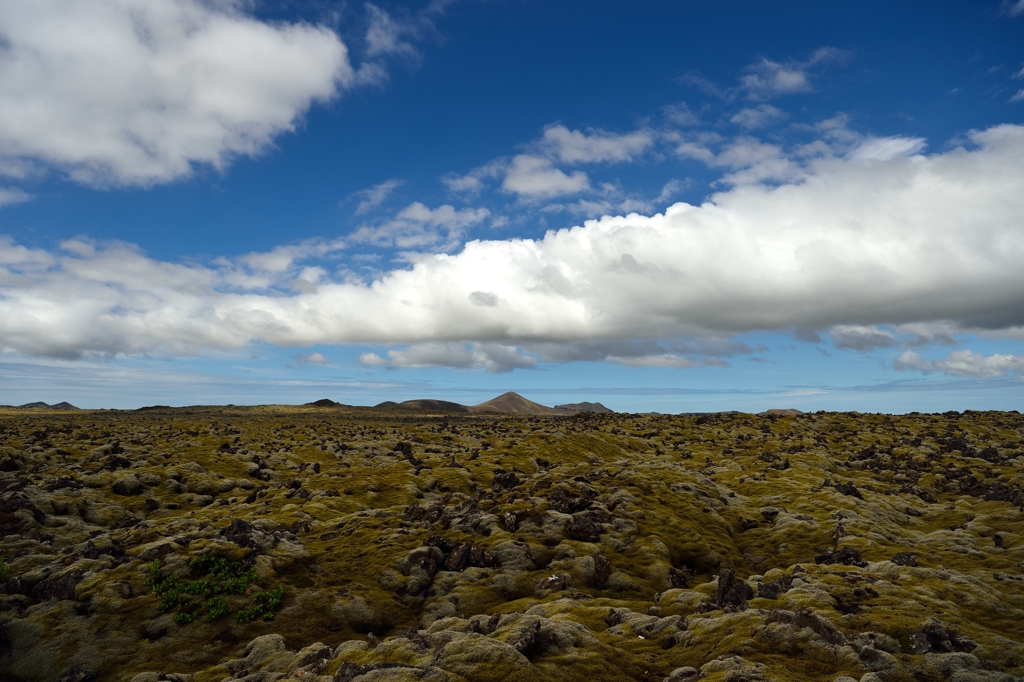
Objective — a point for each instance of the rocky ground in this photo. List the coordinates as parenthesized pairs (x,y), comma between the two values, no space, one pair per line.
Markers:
(345,544)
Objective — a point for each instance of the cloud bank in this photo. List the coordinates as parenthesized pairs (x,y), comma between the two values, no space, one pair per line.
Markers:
(138,92)
(854,242)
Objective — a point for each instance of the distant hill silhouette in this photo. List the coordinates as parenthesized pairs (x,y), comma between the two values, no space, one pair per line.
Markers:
(323,402)
(780,412)
(508,403)
(45,406)
(424,405)
(584,407)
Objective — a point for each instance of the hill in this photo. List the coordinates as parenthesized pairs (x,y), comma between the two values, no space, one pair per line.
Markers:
(512,403)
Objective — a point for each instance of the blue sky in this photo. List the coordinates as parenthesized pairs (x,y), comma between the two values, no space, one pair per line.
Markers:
(667,206)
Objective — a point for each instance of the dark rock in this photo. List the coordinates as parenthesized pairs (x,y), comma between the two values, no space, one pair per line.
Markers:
(773,588)
(528,640)
(115,461)
(511,522)
(570,501)
(847,556)
(458,559)
(62,587)
(504,480)
(848,489)
(152,504)
(904,559)
(934,637)
(731,593)
(583,529)
(922,493)
(64,482)
(404,448)
(678,578)
(602,571)
(746,524)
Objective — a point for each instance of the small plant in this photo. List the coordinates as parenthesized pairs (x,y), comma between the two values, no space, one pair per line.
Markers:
(5,570)
(264,605)
(211,578)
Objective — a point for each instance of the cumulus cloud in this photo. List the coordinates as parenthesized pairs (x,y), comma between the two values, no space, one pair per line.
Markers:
(312,359)
(417,226)
(138,92)
(573,146)
(535,177)
(492,357)
(963,363)
(919,240)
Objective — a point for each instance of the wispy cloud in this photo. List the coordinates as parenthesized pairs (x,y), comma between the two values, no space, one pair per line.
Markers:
(373,197)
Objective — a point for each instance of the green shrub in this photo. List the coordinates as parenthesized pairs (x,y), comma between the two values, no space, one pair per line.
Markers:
(5,571)
(201,593)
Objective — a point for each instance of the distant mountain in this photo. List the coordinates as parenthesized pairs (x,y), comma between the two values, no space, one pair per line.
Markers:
(513,403)
(426,405)
(508,403)
(45,406)
(323,402)
(584,407)
(779,412)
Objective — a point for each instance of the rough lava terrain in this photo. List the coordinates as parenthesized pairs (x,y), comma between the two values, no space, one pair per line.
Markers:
(358,544)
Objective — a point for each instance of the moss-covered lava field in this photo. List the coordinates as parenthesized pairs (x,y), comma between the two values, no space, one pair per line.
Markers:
(272,543)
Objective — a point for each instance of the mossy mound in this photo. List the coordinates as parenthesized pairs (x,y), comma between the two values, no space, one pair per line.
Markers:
(361,544)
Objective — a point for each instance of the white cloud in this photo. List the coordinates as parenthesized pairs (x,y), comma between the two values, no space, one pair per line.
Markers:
(373,197)
(417,226)
(573,146)
(885,148)
(13,195)
(963,363)
(384,34)
(922,240)
(1014,8)
(535,177)
(666,360)
(681,115)
(137,92)
(491,357)
(862,338)
(312,359)
(473,181)
(1018,97)
(758,117)
(766,78)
